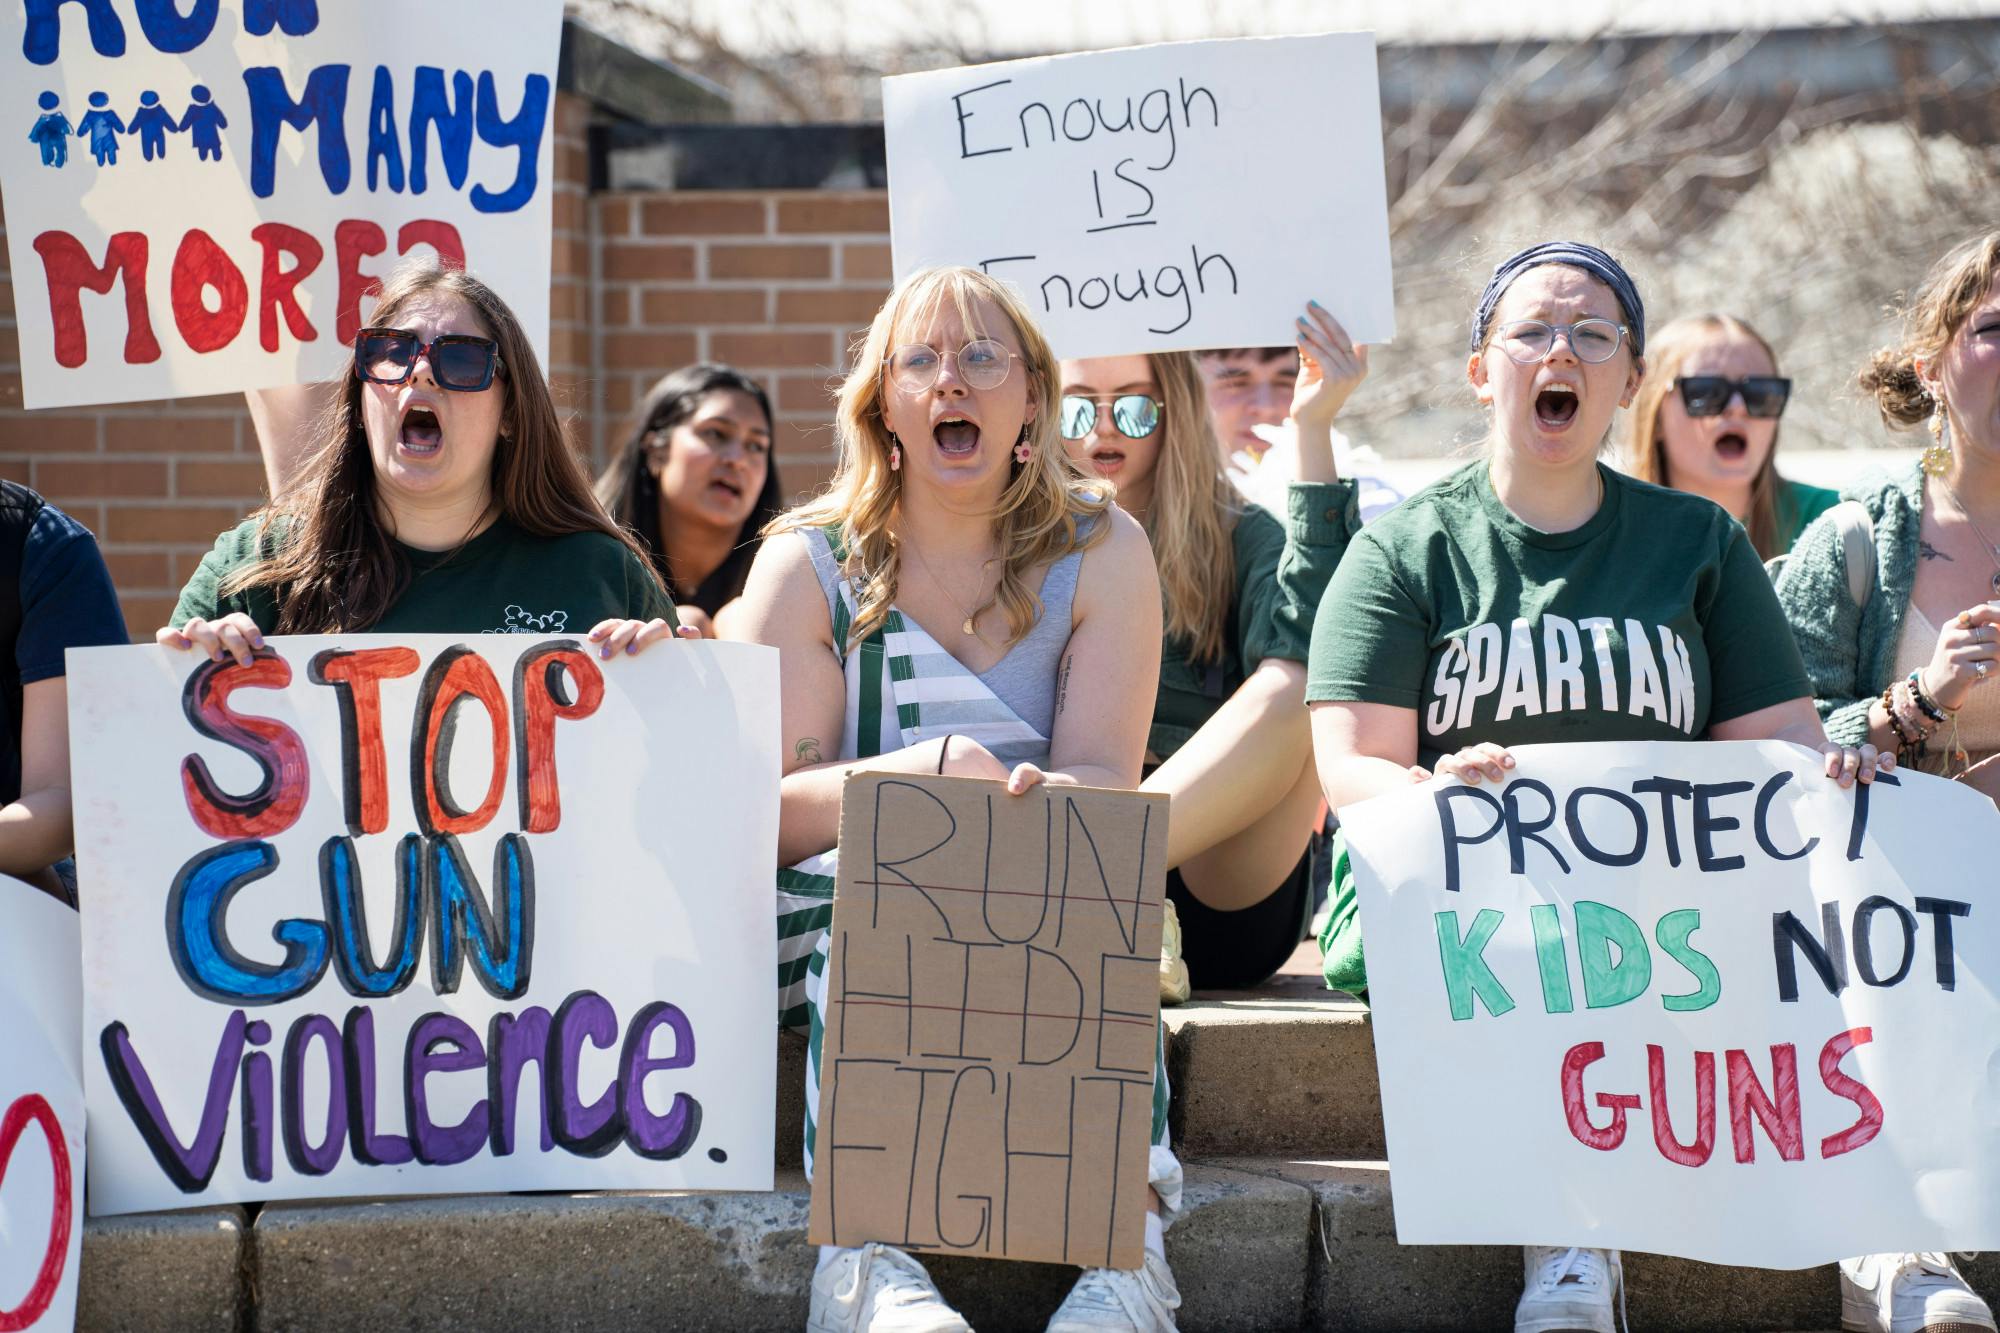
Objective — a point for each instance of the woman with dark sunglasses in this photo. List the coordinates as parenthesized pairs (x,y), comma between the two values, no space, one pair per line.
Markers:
(696,485)
(1706,421)
(1228,740)
(439,496)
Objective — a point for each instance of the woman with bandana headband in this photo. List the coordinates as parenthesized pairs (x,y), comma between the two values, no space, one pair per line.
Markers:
(1459,624)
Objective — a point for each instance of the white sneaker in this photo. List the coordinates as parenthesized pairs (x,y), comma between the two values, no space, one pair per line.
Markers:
(1909,1293)
(1141,1299)
(879,1289)
(1174,985)
(1569,1290)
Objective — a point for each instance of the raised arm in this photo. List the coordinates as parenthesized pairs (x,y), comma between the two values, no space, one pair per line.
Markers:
(286,421)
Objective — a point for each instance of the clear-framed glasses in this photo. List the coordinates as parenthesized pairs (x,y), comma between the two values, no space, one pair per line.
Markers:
(1529,341)
(1136,415)
(982,363)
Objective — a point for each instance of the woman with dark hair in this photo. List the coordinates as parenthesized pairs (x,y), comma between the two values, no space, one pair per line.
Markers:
(440,496)
(696,485)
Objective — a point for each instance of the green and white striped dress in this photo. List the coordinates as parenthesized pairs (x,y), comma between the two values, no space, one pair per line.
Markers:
(904,688)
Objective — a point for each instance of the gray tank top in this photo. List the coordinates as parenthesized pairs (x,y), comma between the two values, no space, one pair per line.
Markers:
(1025,679)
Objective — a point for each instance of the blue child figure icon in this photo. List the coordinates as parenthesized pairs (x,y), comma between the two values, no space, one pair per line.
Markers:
(204,123)
(102,127)
(152,123)
(51,132)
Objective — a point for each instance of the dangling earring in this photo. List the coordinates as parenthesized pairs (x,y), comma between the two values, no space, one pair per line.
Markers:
(1023,451)
(1937,459)
(895,453)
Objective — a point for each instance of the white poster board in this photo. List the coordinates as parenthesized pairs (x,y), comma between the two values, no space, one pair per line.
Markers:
(41,1111)
(255,167)
(469,915)
(1687,999)
(1154,198)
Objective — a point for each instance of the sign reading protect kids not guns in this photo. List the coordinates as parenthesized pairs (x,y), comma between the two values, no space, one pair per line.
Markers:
(203,197)
(1688,999)
(991,1021)
(41,1111)
(1156,198)
(412,915)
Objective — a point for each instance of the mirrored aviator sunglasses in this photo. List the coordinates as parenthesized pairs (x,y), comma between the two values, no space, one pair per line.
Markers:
(1708,395)
(1136,415)
(459,361)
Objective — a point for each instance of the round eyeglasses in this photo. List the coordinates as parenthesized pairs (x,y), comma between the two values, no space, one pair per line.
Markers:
(982,364)
(1136,415)
(1529,341)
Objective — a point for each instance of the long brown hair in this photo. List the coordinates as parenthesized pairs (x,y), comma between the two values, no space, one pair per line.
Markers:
(330,562)
(1042,513)
(1955,285)
(1195,510)
(1646,444)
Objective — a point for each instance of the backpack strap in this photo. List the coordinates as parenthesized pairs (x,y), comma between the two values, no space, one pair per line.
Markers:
(1857,548)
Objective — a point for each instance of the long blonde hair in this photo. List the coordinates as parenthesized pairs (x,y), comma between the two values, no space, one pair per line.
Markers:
(1048,509)
(1194,513)
(1646,444)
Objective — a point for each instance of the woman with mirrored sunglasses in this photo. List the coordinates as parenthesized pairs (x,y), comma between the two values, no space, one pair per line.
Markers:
(696,484)
(439,495)
(1706,421)
(1229,741)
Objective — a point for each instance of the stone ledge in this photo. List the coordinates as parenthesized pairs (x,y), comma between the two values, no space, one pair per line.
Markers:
(1281,1071)
(162,1272)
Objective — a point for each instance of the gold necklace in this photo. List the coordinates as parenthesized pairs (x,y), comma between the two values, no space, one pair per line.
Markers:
(1992,547)
(970,615)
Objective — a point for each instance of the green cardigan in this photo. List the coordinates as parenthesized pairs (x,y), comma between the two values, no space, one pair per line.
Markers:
(1849,651)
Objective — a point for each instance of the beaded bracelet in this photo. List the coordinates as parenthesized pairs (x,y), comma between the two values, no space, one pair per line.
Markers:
(1904,740)
(1925,704)
(1913,717)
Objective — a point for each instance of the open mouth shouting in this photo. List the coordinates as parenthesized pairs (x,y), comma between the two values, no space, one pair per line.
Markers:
(420,434)
(1731,446)
(1556,405)
(957,435)
(726,489)
(1108,460)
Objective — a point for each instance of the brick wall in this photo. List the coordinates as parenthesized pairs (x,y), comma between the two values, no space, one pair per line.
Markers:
(775,283)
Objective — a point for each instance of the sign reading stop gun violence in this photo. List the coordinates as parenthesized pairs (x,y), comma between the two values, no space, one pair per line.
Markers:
(41,1111)
(1155,198)
(415,914)
(1689,999)
(991,1020)
(203,198)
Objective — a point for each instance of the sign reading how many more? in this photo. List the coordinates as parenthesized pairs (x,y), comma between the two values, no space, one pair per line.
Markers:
(1156,198)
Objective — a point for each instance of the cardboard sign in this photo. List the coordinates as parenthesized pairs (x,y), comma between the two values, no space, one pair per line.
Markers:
(406,915)
(992,1018)
(1689,999)
(41,1111)
(203,198)
(1156,198)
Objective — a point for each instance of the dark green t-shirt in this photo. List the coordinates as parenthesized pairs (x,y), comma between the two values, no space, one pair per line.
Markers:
(1650,622)
(502,581)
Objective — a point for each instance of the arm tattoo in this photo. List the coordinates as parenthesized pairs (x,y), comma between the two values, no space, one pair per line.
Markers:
(1929,552)
(1062,683)
(807,751)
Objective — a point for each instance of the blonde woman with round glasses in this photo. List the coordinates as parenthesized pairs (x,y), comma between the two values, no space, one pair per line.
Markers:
(1229,743)
(956,527)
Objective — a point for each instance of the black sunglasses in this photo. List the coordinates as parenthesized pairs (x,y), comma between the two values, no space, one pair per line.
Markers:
(1134,414)
(1709,395)
(459,361)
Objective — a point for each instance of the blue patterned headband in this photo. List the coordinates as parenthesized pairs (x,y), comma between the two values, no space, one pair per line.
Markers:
(1575,254)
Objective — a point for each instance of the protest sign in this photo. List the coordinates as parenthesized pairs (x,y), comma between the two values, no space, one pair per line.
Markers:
(991,1020)
(41,1111)
(1155,198)
(406,915)
(1688,999)
(205,201)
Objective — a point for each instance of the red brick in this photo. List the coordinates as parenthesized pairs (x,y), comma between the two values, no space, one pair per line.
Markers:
(6,298)
(620,394)
(19,469)
(223,479)
(865,261)
(569,212)
(100,478)
(572,114)
(807,393)
(210,403)
(770,261)
(630,260)
(566,301)
(44,433)
(573,164)
(801,478)
(568,346)
(830,305)
(10,388)
(865,213)
(615,214)
(140,569)
(701,215)
(170,523)
(803,437)
(654,353)
(146,612)
(787,347)
(703,305)
(165,435)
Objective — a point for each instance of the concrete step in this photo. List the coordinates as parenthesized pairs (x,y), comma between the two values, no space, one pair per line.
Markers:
(1363,1280)
(623,1261)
